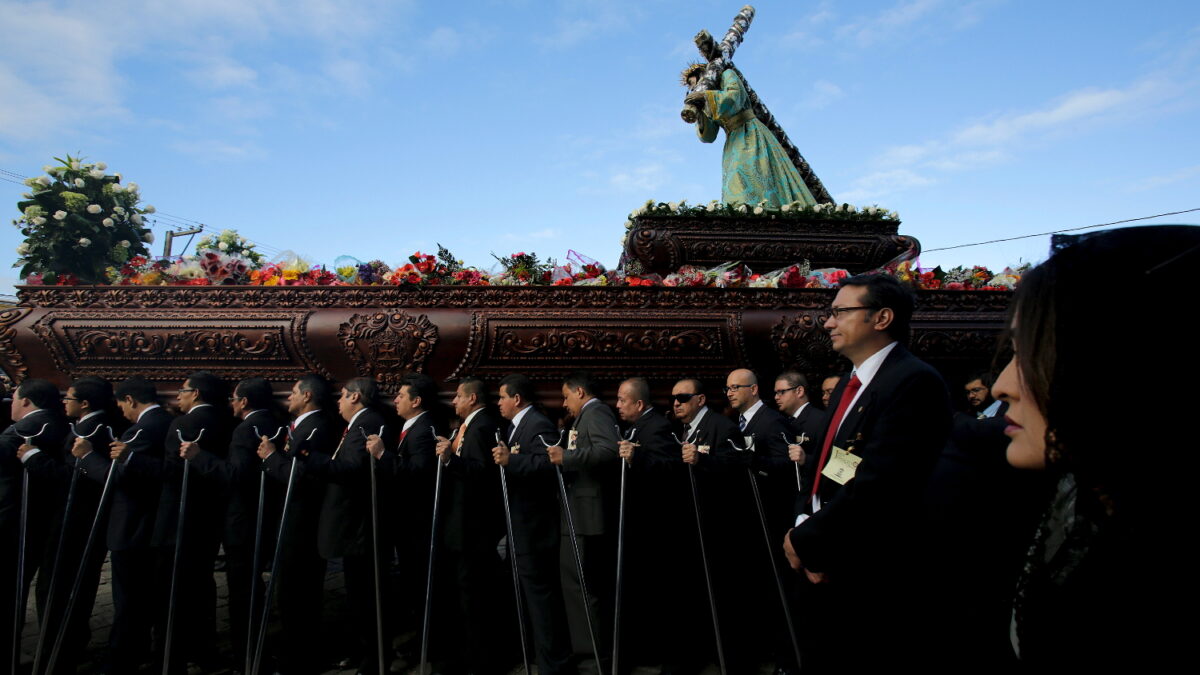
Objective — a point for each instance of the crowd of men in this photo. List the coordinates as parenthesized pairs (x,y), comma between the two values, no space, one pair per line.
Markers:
(780,534)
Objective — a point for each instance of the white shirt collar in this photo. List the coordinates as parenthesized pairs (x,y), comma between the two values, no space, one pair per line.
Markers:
(91,414)
(32,412)
(866,372)
(800,409)
(198,406)
(749,414)
(351,423)
(696,421)
(146,410)
(258,410)
(296,422)
(469,418)
(516,420)
(411,421)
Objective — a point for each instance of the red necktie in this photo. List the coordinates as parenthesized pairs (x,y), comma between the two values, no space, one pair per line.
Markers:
(403,434)
(834,422)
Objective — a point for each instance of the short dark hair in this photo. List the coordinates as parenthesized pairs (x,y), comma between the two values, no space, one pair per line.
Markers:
(793,379)
(580,379)
(421,386)
(96,391)
(641,389)
(210,388)
(885,291)
(41,393)
(474,385)
(138,388)
(318,386)
(517,384)
(367,389)
(696,384)
(987,377)
(257,391)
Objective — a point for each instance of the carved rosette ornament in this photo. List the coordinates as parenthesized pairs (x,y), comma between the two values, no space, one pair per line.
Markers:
(388,345)
(803,344)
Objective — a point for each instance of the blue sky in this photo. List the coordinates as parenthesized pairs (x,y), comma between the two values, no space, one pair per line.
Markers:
(377,128)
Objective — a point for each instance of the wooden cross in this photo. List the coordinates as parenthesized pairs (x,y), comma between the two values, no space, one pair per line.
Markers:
(719,57)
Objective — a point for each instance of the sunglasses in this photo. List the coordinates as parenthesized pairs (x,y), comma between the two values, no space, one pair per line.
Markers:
(683,398)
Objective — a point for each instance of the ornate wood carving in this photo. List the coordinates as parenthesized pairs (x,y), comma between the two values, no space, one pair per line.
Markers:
(387,345)
(167,345)
(11,361)
(547,346)
(956,344)
(803,344)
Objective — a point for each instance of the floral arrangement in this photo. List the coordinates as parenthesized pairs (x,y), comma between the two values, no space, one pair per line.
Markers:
(77,221)
(524,269)
(230,242)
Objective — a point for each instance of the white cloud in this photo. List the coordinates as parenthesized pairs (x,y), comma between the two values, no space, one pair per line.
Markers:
(443,41)
(586,20)
(821,94)
(220,71)
(219,150)
(644,178)
(1189,173)
(891,21)
(880,184)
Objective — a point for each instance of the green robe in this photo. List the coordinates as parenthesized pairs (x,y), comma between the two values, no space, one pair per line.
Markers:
(754,167)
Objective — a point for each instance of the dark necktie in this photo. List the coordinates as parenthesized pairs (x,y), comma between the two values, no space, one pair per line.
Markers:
(741,422)
(834,422)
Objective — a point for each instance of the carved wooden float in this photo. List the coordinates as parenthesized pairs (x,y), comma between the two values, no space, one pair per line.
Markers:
(164,333)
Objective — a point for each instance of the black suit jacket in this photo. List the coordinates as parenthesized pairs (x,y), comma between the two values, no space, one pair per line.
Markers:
(532,486)
(717,432)
(776,473)
(137,483)
(205,514)
(315,435)
(474,514)
(345,523)
(898,427)
(657,453)
(45,485)
(810,424)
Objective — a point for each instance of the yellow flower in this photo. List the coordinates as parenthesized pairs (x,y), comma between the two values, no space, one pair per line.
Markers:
(290,275)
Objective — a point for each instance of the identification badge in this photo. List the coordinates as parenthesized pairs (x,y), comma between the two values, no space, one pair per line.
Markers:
(516,449)
(841,466)
(572,438)
(702,449)
(748,442)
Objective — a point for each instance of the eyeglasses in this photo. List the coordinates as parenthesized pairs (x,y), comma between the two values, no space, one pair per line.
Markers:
(71,398)
(683,398)
(836,312)
(977,390)
(735,387)
(781,392)
(185,390)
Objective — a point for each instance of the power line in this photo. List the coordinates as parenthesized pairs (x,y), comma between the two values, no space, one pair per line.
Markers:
(1071,229)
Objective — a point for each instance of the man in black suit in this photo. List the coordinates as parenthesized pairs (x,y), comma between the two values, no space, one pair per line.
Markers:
(859,547)
(413,473)
(806,425)
(36,412)
(533,498)
(135,460)
(473,525)
(300,571)
(240,476)
(203,401)
(657,500)
(88,402)
(344,529)
(589,465)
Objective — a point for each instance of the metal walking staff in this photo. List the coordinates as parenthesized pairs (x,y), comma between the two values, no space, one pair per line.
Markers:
(19,602)
(512,557)
(566,504)
(620,558)
(62,536)
(183,491)
(87,551)
(437,495)
(799,441)
(375,556)
(762,519)
(712,598)
(266,610)
(255,578)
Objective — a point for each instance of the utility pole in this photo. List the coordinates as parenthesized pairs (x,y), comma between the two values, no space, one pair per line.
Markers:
(178,233)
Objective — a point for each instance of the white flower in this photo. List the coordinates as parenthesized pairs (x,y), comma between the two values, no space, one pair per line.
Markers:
(75,164)
(60,215)
(674,206)
(39,221)
(23,249)
(79,183)
(223,246)
(132,187)
(96,173)
(107,222)
(852,208)
(124,243)
(895,215)
(743,208)
(119,210)
(758,210)
(94,209)
(871,210)
(136,218)
(101,165)
(148,237)
(712,206)
(785,208)
(629,224)
(48,169)
(43,181)
(84,242)
(149,209)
